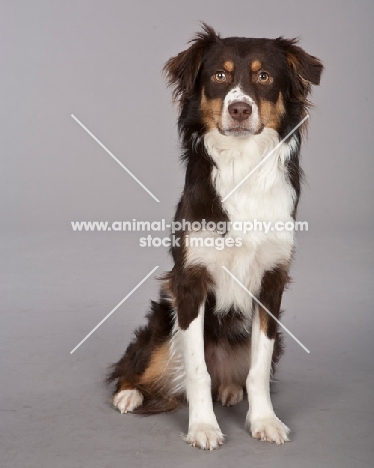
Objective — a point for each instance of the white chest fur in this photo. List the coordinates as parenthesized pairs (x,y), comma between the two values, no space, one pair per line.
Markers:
(266,196)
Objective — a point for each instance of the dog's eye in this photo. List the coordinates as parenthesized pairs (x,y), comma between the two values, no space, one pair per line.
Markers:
(220,76)
(263,77)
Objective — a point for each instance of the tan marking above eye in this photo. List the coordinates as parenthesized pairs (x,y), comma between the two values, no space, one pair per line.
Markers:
(256,66)
(228,66)
(220,76)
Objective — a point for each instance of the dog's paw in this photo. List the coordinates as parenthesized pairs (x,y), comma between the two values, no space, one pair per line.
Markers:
(270,429)
(127,400)
(230,394)
(204,436)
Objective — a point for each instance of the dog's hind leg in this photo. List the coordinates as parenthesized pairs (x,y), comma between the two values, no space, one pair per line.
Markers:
(228,366)
(127,400)
(144,373)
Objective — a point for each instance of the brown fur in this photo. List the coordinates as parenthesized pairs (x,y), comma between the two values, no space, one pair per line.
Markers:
(157,366)
(228,363)
(189,287)
(272,287)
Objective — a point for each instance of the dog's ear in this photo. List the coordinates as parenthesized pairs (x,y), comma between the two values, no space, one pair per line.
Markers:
(305,69)
(182,70)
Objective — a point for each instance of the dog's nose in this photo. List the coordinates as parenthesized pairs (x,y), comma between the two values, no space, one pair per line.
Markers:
(240,110)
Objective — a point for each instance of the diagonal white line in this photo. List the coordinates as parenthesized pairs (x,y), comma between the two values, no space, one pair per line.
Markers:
(112,311)
(267,310)
(117,160)
(265,158)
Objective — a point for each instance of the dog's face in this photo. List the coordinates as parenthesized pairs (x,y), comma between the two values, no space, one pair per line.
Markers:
(243,83)
(242,86)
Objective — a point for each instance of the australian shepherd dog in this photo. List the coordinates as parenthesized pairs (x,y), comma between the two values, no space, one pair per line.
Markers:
(242,111)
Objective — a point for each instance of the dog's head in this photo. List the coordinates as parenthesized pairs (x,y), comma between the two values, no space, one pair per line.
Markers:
(240,86)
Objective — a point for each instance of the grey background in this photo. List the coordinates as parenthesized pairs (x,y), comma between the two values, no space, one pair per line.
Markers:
(102,60)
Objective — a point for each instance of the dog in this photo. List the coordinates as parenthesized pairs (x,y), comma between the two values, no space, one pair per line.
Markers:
(207,338)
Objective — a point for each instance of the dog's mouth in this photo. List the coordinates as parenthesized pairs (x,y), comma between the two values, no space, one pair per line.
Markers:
(238,131)
(244,128)
(241,131)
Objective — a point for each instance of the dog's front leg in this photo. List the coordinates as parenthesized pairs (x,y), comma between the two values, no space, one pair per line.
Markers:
(261,419)
(203,429)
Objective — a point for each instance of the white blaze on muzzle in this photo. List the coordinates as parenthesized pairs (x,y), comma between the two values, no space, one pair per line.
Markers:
(228,124)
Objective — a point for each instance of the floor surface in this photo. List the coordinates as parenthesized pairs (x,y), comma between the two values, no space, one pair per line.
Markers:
(55,409)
